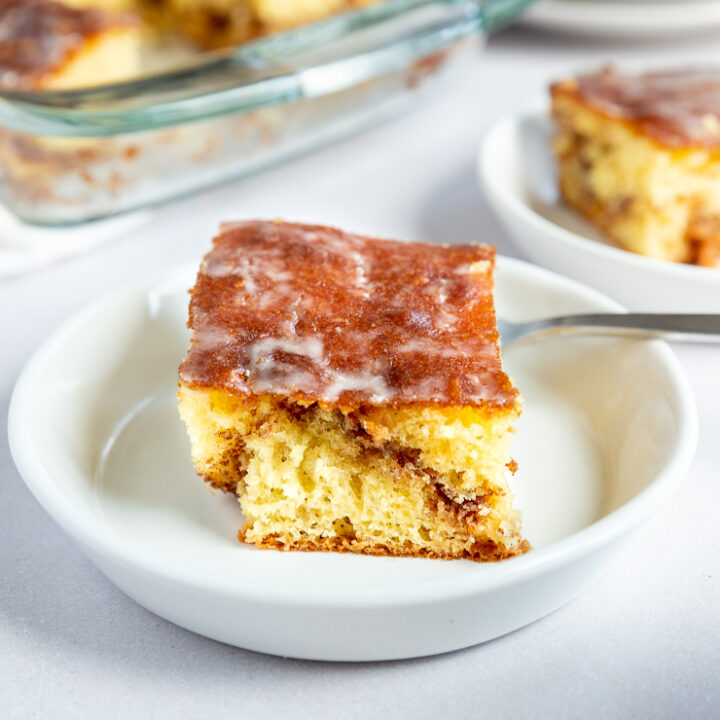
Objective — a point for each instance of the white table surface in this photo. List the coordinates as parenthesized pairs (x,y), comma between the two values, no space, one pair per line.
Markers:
(643,641)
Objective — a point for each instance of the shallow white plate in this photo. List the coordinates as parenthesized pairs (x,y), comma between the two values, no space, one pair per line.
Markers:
(517,172)
(625,18)
(609,429)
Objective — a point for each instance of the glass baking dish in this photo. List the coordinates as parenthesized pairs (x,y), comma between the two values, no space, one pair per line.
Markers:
(73,156)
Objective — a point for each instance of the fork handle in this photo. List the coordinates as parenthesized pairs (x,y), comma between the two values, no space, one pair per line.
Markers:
(693,328)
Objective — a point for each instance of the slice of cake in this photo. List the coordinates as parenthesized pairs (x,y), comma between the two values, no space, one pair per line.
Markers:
(350,391)
(639,155)
(47,45)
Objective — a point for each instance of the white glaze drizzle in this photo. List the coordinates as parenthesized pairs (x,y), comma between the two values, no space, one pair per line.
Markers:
(269,364)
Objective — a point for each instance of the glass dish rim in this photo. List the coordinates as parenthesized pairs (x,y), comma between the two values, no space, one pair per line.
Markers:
(255,74)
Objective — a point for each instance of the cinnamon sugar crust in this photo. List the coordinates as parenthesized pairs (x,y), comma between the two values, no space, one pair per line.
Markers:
(675,108)
(317,315)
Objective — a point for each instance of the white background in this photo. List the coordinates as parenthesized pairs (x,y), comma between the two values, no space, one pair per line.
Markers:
(643,641)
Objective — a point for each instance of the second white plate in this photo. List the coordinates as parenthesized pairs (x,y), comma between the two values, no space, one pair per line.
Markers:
(608,430)
(516,170)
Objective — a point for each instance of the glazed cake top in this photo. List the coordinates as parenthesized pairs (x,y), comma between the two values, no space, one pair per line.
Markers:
(37,37)
(315,314)
(676,108)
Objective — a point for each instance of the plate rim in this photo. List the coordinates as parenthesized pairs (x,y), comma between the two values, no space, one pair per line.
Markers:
(626,18)
(489,577)
(500,194)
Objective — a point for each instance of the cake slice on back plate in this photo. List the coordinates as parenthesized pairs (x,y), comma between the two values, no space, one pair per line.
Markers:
(350,391)
(639,155)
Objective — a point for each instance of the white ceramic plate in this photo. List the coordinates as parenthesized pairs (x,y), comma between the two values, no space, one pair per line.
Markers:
(517,172)
(625,18)
(609,429)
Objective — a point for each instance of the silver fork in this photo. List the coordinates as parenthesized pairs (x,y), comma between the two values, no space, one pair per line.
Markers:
(672,327)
